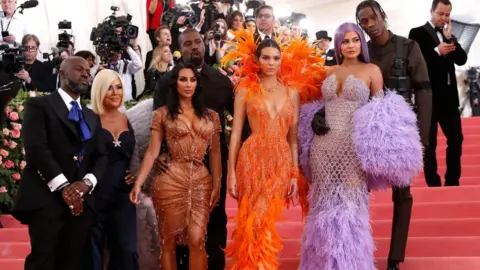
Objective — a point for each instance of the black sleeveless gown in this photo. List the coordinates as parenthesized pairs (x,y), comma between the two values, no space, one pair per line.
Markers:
(116,215)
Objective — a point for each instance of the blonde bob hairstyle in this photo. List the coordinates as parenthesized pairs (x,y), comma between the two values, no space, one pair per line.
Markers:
(101,84)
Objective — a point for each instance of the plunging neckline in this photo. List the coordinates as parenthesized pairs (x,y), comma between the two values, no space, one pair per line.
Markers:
(188,125)
(116,138)
(279,111)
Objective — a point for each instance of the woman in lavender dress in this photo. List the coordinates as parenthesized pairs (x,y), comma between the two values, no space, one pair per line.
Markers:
(337,234)
(370,140)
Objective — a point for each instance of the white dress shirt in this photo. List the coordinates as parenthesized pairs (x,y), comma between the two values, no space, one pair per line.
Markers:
(60,179)
(263,35)
(440,38)
(133,66)
(17,28)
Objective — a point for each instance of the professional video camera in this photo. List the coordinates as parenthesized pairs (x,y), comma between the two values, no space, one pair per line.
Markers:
(113,35)
(64,38)
(171,16)
(55,58)
(13,59)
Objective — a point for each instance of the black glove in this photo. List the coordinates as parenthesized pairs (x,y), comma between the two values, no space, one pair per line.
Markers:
(319,123)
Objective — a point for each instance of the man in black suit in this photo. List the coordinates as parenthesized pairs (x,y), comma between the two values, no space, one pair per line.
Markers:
(64,161)
(323,43)
(265,21)
(441,51)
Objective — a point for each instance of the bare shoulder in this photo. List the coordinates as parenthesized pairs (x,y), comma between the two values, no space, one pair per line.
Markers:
(331,70)
(373,68)
(294,95)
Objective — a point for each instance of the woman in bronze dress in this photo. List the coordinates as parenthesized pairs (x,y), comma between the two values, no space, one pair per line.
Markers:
(183,196)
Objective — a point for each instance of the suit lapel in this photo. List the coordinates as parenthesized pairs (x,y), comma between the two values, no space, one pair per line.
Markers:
(61,110)
(91,119)
(431,31)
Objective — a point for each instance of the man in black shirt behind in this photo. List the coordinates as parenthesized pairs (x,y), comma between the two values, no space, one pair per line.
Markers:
(404,69)
(218,96)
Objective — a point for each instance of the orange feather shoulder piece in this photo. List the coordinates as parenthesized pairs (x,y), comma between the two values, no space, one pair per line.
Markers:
(302,68)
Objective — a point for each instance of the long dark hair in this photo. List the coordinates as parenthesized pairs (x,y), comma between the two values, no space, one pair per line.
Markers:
(266,43)
(173,100)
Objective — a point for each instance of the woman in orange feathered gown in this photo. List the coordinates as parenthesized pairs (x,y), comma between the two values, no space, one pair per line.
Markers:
(263,173)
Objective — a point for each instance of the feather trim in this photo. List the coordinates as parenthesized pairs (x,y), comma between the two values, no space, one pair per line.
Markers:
(301,68)
(387,141)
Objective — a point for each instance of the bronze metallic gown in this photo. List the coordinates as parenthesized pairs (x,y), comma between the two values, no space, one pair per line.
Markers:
(181,195)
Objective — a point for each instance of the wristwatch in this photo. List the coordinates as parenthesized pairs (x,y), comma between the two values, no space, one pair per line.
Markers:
(88,183)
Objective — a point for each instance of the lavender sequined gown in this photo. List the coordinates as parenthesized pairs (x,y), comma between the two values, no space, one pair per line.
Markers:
(337,234)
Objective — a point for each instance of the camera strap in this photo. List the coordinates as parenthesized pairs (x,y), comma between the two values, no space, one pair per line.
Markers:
(125,66)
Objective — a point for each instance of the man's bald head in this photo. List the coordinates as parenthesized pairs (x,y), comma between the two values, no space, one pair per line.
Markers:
(71,61)
(74,75)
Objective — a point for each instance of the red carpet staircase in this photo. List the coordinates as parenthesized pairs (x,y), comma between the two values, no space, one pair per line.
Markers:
(444,231)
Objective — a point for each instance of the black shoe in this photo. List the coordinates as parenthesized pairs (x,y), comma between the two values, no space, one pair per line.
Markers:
(393,266)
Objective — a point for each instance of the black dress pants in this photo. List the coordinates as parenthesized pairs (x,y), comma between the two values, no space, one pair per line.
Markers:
(402,212)
(448,116)
(59,240)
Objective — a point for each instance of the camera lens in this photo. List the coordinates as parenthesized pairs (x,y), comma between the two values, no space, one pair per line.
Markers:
(131,31)
(192,20)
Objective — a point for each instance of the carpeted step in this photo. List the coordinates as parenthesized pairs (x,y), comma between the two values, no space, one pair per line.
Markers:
(426,263)
(416,247)
(445,210)
(421,194)
(382,228)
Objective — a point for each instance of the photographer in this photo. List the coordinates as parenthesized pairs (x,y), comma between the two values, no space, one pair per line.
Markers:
(215,42)
(115,41)
(35,74)
(184,18)
(13,27)
(126,68)
(213,10)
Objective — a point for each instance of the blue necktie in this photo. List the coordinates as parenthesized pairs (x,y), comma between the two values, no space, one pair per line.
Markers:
(76,115)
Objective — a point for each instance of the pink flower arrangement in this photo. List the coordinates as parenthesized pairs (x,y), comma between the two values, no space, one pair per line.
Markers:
(16,133)
(14,116)
(8,164)
(13,145)
(4,153)
(16,176)
(12,152)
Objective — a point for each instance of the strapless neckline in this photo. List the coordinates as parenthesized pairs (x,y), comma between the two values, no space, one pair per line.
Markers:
(349,77)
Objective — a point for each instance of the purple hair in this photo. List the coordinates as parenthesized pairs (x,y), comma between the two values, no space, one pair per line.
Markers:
(340,35)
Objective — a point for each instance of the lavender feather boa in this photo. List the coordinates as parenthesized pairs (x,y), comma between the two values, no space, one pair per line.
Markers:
(305,135)
(387,141)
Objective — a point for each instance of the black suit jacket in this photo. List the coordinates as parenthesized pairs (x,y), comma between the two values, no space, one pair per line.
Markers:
(330,60)
(440,67)
(259,39)
(51,142)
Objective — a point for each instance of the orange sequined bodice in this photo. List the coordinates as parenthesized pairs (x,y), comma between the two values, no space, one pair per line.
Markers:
(263,172)
(263,120)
